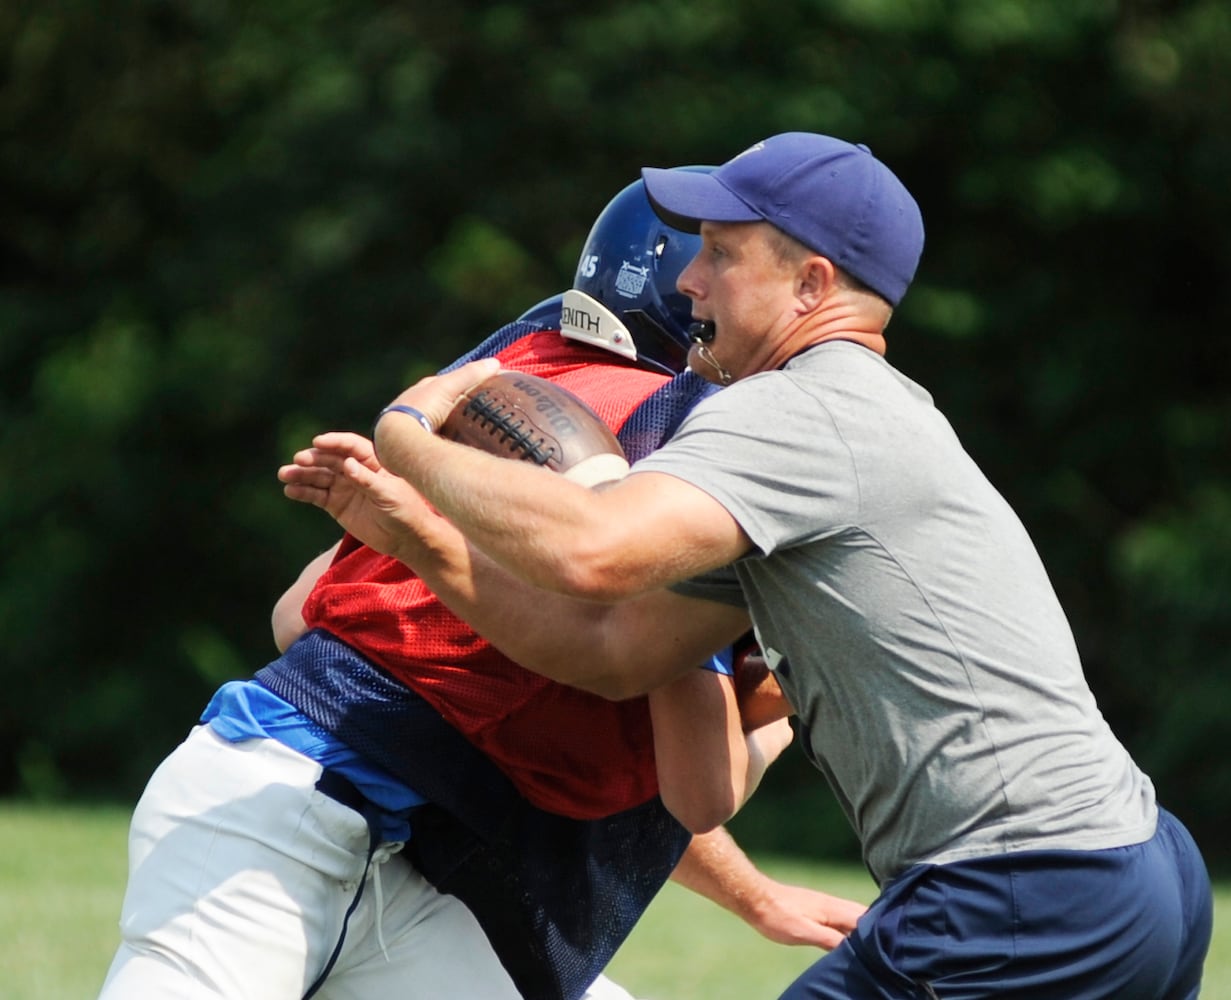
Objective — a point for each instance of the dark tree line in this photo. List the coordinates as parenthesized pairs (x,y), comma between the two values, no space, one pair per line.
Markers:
(227,226)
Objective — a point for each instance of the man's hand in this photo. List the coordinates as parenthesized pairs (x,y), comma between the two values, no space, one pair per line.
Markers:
(715,867)
(436,395)
(794,914)
(341,475)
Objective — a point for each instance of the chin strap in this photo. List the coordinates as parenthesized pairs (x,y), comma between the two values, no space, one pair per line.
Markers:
(703,352)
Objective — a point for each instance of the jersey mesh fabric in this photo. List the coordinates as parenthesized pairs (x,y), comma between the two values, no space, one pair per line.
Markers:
(567,751)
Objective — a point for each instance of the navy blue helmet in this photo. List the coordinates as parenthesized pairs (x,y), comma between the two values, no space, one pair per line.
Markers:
(545,314)
(624,297)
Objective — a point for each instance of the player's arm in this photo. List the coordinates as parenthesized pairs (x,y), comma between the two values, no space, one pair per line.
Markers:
(287,618)
(616,650)
(707,764)
(715,867)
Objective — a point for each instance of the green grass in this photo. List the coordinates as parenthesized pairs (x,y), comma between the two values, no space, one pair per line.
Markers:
(62,875)
(685,947)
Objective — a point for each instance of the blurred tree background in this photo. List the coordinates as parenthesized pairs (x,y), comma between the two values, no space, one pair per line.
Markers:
(227,226)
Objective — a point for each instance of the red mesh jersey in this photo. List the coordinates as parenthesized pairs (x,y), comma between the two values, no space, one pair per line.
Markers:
(567,751)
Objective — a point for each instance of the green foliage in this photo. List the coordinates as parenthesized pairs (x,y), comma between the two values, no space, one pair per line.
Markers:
(228,226)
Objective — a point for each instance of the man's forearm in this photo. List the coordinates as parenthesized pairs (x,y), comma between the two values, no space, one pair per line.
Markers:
(614,650)
(633,537)
(525,518)
(716,868)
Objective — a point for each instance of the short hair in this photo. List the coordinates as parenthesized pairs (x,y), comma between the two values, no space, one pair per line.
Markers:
(788,251)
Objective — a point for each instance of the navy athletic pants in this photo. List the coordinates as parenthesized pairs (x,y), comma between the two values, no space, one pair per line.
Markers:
(1130,923)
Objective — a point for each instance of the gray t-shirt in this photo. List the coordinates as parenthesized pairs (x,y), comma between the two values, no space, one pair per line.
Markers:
(908,616)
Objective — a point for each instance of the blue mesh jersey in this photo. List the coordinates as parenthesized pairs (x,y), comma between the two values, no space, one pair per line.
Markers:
(556,896)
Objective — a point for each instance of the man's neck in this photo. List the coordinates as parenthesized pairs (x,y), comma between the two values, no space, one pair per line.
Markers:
(872,341)
(849,315)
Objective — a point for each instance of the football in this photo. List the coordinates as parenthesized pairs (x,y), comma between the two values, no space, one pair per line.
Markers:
(529,418)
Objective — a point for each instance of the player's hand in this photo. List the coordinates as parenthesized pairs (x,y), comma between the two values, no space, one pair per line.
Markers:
(341,475)
(793,914)
(760,697)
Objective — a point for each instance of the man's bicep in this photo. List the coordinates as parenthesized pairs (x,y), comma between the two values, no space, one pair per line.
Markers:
(652,530)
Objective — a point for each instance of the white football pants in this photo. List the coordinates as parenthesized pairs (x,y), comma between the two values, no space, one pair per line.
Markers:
(240,874)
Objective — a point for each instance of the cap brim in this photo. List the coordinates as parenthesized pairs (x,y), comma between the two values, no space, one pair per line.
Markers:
(684,199)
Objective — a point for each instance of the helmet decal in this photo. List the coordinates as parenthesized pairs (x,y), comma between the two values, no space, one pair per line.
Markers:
(631,279)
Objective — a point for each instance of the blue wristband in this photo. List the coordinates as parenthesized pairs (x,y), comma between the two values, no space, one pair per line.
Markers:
(410,411)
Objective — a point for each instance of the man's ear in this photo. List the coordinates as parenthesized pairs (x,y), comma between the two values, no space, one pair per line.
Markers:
(814,279)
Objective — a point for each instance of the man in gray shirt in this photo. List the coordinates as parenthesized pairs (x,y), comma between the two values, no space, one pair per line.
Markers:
(898,598)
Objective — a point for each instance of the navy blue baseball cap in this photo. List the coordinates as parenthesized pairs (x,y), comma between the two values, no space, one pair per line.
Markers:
(834,197)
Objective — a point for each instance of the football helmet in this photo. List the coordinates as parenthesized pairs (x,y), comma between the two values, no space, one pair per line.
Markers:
(545,314)
(624,297)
